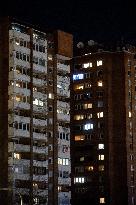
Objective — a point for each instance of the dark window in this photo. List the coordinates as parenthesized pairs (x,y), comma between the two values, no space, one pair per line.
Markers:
(24,56)
(17,55)
(41,62)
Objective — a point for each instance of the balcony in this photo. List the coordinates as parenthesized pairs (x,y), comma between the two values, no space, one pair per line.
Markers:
(39,68)
(12,147)
(14,33)
(41,192)
(40,150)
(40,163)
(15,161)
(21,148)
(21,176)
(14,61)
(65,93)
(39,136)
(63,117)
(17,118)
(14,47)
(40,178)
(12,132)
(15,104)
(64,181)
(39,122)
(22,191)
(39,82)
(63,68)
(40,109)
(14,75)
(17,90)
(39,95)
(63,129)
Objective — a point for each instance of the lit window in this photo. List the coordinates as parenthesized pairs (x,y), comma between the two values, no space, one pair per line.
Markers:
(82,159)
(79,180)
(51,96)
(101,157)
(88,126)
(102,200)
(89,116)
(59,161)
(100,146)
(78,77)
(59,86)
(100,114)
(100,84)
(50,57)
(16,156)
(65,161)
(87,106)
(35,102)
(130,114)
(79,117)
(79,137)
(90,64)
(18,98)
(16,169)
(17,42)
(59,188)
(40,103)
(34,89)
(99,62)
(18,85)
(79,87)
(131,157)
(132,167)
(101,167)
(87,65)
(90,168)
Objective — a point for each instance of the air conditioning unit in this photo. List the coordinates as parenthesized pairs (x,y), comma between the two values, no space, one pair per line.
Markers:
(80,45)
(91,43)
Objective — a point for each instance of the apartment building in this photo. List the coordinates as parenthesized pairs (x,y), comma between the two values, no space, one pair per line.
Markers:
(35,119)
(103,131)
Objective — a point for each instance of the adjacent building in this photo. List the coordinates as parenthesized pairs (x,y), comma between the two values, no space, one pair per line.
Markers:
(35,115)
(103,128)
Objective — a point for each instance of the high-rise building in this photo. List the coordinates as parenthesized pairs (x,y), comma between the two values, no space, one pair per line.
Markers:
(35,163)
(103,131)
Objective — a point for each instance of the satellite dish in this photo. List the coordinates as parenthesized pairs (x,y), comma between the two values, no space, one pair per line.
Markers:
(91,43)
(80,45)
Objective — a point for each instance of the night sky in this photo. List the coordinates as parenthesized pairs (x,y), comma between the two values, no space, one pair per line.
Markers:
(102,21)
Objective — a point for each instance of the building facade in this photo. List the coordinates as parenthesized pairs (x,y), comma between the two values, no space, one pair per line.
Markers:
(35,120)
(103,131)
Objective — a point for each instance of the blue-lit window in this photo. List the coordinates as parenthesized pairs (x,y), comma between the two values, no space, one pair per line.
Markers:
(78,77)
(88,126)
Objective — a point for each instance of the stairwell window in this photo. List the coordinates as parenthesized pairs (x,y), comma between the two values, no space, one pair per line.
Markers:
(100,114)
(100,83)
(87,65)
(102,200)
(101,157)
(101,168)
(99,62)
(17,156)
(100,146)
